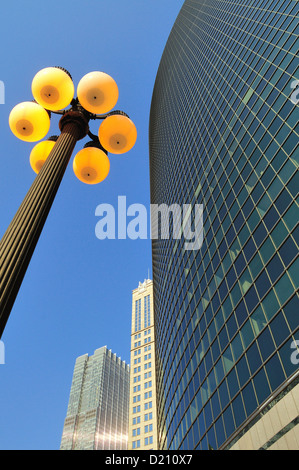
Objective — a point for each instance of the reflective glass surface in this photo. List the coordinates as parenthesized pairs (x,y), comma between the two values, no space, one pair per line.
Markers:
(224,133)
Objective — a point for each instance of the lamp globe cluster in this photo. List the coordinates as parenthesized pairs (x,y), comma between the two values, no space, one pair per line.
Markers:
(97,93)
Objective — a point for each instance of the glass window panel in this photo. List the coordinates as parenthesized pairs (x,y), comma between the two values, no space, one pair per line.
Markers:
(258,320)
(271,218)
(267,250)
(274,268)
(239,412)
(241,313)
(229,422)
(219,428)
(219,320)
(275,373)
(279,329)
(291,310)
(291,216)
(208,414)
(256,265)
(227,360)
(261,386)
(288,251)
(270,305)
(231,326)
(279,233)
(245,281)
(282,202)
(266,344)
(232,383)
(223,338)
(211,439)
(219,372)
(254,358)
(237,347)
(242,371)
(293,273)
(215,405)
(249,398)
(274,188)
(227,307)
(284,288)
(223,394)
(262,284)
(251,299)
(247,334)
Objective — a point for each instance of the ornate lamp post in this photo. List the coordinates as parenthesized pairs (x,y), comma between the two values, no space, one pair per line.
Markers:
(53,91)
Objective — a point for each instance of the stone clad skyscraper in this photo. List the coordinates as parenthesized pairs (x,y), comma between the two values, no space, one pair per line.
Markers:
(142,410)
(224,133)
(97,414)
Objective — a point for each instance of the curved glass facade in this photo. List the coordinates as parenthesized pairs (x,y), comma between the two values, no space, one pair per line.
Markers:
(224,133)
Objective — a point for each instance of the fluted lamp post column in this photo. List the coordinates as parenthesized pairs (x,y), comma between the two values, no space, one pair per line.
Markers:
(53,90)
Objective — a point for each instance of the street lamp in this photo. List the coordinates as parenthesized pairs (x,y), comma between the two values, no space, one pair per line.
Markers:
(53,91)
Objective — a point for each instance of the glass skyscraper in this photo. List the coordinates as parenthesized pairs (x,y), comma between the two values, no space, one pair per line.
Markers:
(98,409)
(224,133)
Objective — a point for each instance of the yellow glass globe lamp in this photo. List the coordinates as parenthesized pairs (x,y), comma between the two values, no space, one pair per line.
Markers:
(117,133)
(40,153)
(29,121)
(97,92)
(91,164)
(53,88)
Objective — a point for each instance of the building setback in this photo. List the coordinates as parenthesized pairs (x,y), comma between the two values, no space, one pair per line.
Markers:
(142,410)
(97,414)
(224,133)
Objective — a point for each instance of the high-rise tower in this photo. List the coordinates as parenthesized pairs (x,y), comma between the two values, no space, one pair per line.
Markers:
(142,411)
(224,133)
(97,414)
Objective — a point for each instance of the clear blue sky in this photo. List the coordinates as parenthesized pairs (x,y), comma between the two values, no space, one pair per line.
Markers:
(76,295)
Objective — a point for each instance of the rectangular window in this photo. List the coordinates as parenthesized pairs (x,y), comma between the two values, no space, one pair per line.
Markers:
(136,444)
(148,405)
(148,416)
(148,440)
(148,428)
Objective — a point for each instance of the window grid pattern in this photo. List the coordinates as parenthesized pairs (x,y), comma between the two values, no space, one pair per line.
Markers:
(98,410)
(147,311)
(225,315)
(142,415)
(137,315)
